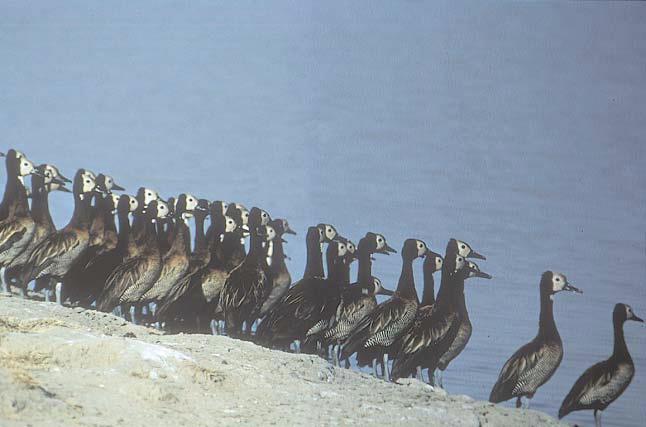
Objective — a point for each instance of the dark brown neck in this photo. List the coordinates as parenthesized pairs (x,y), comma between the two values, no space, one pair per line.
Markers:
(314,264)
(406,285)
(428,296)
(546,324)
(620,350)
(200,239)
(82,215)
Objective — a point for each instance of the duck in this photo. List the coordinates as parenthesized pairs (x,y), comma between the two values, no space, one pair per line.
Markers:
(98,269)
(55,255)
(433,263)
(382,327)
(533,364)
(433,324)
(436,326)
(358,299)
(323,300)
(602,383)
(465,328)
(15,193)
(136,274)
(297,311)
(171,310)
(243,291)
(175,261)
(47,179)
(23,231)
(102,238)
(281,279)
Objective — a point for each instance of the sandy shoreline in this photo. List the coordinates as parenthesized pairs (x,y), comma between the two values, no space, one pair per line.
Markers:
(81,367)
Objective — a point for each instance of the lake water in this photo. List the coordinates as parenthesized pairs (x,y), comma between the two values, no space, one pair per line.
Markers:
(518,127)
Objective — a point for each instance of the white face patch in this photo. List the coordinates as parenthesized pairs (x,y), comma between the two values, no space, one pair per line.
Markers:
(26,167)
(558,282)
(463,248)
(271,233)
(459,262)
(225,206)
(115,201)
(245,217)
(108,182)
(229,224)
(421,248)
(381,242)
(88,182)
(149,196)
(134,204)
(264,217)
(330,232)
(629,312)
(162,209)
(191,202)
(438,263)
(342,249)
(351,247)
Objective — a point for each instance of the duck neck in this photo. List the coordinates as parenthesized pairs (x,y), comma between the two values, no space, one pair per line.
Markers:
(406,284)
(15,195)
(180,238)
(314,264)
(428,296)
(546,324)
(335,269)
(278,257)
(620,350)
(255,246)
(82,215)
(200,238)
(40,204)
(365,265)
(124,230)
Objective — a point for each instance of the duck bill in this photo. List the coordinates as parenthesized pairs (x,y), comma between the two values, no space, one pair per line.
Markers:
(386,292)
(483,275)
(58,181)
(476,255)
(117,187)
(63,178)
(283,240)
(63,189)
(571,288)
(637,318)
(387,250)
(288,230)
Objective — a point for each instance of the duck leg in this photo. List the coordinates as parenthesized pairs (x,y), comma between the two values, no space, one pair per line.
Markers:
(5,285)
(133,314)
(597,418)
(214,327)
(59,293)
(385,368)
(335,355)
(418,375)
(374,368)
(519,402)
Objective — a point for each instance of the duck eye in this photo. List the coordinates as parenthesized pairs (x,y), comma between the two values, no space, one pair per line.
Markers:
(558,279)
(463,247)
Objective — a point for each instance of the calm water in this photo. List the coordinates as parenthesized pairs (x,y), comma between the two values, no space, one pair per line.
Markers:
(516,127)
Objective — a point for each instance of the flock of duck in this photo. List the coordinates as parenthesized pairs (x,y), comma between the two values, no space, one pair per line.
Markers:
(146,270)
